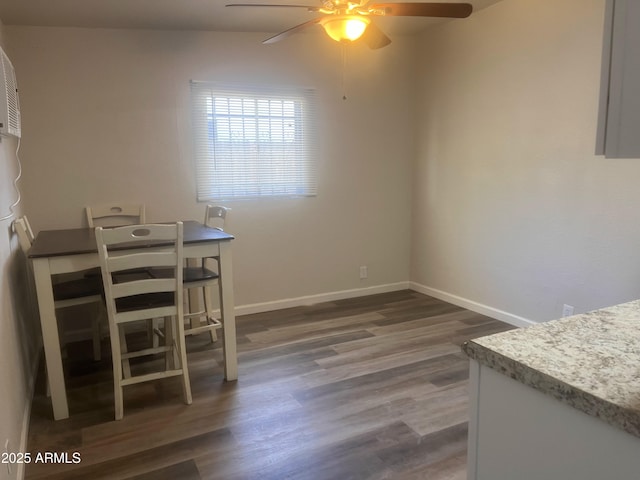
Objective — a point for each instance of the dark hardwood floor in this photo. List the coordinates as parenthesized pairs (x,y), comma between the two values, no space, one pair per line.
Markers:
(367,388)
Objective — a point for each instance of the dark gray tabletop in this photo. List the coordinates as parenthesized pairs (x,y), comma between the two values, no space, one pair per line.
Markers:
(76,241)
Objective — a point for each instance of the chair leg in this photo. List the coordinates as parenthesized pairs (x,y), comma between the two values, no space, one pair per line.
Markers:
(192,300)
(122,340)
(171,358)
(220,298)
(116,356)
(208,309)
(95,326)
(154,325)
(182,351)
(46,376)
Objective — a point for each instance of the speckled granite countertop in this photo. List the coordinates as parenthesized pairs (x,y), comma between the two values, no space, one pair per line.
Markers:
(589,361)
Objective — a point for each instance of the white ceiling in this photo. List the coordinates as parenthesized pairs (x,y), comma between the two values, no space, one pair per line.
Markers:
(185,15)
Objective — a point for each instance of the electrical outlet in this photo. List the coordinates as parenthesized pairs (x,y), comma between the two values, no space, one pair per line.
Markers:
(363,272)
(567,310)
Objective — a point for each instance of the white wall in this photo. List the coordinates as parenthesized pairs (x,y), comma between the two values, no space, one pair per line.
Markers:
(105,117)
(18,324)
(512,209)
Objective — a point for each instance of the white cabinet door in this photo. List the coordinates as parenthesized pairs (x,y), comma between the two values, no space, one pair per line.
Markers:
(619,117)
(519,433)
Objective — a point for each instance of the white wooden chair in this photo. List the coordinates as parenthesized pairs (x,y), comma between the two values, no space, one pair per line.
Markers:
(215,216)
(200,280)
(132,298)
(205,277)
(67,291)
(115,214)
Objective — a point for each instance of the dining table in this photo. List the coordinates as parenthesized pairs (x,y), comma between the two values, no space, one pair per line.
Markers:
(75,250)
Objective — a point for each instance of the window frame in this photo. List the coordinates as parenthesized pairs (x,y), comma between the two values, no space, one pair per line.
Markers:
(269,145)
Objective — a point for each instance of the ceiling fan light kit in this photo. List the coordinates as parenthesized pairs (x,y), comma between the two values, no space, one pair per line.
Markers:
(346,21)
(345,28)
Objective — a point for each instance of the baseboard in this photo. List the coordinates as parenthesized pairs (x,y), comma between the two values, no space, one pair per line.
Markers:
(85,334)
(501,315)
(26,417)
(391,287)
(321,297)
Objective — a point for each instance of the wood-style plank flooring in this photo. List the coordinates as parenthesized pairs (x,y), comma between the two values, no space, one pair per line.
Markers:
(366,388)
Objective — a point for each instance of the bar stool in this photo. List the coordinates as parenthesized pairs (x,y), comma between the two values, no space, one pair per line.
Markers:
(131,298)
(203,278)
(69,292)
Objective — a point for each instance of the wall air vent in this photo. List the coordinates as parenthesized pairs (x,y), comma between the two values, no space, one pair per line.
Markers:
(9,105)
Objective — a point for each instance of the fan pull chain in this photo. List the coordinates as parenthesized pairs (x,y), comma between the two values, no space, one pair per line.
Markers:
(344,68)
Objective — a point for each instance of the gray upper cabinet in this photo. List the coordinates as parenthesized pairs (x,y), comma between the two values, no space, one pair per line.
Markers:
(619,116)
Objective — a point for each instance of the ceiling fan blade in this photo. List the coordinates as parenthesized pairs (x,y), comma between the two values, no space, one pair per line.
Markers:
(451,10)
(292,30)
(311,8)
(374,37)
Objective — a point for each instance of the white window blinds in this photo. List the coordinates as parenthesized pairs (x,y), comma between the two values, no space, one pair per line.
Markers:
(253,141)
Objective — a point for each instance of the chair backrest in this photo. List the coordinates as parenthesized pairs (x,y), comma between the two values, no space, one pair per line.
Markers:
(25,234)
(115,214)
(138,297)
(215,216)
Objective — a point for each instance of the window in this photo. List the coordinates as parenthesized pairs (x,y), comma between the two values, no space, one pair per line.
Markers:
(253,142)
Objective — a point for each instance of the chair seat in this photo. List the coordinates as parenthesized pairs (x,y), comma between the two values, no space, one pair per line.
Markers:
(93,272)
(123,276)
(145,301)
(82,287)
(189,274)
(96,272)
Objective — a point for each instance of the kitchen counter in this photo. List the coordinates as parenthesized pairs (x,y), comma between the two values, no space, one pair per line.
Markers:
(557,400)
(589,361)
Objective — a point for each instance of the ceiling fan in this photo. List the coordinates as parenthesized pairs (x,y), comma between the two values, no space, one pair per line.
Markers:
(346,21)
